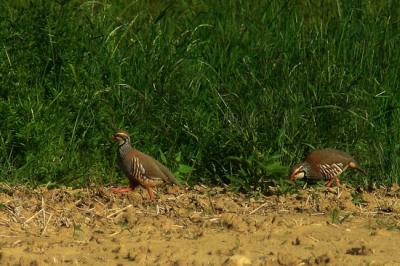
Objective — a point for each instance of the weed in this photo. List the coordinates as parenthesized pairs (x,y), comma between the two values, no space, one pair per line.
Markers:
(357,199)
(182,171)
(238,90)
(77,230)
(336,218)
(389,224)
(257,171)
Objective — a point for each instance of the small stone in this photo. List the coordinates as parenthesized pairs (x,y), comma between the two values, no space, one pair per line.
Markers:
(359,251)
(296,242)
(237,260)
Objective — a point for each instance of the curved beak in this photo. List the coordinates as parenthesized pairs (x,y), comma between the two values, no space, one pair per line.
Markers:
(114,137)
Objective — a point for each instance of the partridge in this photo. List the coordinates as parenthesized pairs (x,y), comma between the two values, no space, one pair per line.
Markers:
(141,169)
(324,164)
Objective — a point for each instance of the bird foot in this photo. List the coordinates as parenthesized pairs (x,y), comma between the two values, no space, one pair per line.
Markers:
(330,181)
(121,189)
(151,192)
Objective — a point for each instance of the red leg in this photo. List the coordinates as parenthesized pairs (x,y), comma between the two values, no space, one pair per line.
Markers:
(151,194)
(329,183)
(122,189)
(132,186)
(337,181)
(149,187)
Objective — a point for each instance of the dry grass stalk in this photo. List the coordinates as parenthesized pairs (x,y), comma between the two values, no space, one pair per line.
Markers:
(47,223)
(44,211)
(120,210)
(7,236)
(259,207)
(32,217)
(313,238)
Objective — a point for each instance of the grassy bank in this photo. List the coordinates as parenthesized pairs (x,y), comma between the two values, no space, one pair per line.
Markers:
(238,90)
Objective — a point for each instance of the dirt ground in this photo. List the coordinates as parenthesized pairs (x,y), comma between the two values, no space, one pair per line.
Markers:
(199,226)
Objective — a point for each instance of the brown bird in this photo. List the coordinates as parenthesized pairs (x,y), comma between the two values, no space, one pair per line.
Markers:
(140,168)
(324,164)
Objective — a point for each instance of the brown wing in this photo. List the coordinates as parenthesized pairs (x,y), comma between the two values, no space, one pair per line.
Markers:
(314,172)
(330,171)
(155,169)
(329,156)
(326,162)
(138,172)
(168,173)
(151,166)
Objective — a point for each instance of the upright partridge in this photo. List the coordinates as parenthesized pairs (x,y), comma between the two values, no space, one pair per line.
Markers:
(140,168)
(324,164)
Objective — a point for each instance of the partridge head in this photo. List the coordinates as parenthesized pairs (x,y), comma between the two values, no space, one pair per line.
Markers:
(325,164)
(140,168)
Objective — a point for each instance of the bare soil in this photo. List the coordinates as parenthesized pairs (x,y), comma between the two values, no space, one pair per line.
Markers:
(199,226)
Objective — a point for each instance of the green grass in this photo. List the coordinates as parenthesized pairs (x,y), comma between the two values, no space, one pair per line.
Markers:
(240,90)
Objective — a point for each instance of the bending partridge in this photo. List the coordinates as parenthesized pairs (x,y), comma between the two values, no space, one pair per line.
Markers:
(140,168)
(324,164)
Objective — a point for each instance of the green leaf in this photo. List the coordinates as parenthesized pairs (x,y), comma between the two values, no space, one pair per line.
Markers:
(162,156)
(185,169)
(178,157)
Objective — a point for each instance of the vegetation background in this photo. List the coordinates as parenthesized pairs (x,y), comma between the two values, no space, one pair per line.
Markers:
(224,91)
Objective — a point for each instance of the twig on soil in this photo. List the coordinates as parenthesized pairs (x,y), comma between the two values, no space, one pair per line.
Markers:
(317,213)
(115,233)
(177,225)
(47,223)
(298,222)
(259,207)
(85,210)
(176,197)
(118,215)
(313,238)
(283,210)
(4,222)
(308,199)
(101,203)
(33,216)
(44,211)
(120,210)
(335,225)
(338,193)
(14,212)
(211,203)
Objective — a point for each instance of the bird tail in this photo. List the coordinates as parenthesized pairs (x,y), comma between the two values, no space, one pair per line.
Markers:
(168,173)
(361,170)
(357,167)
